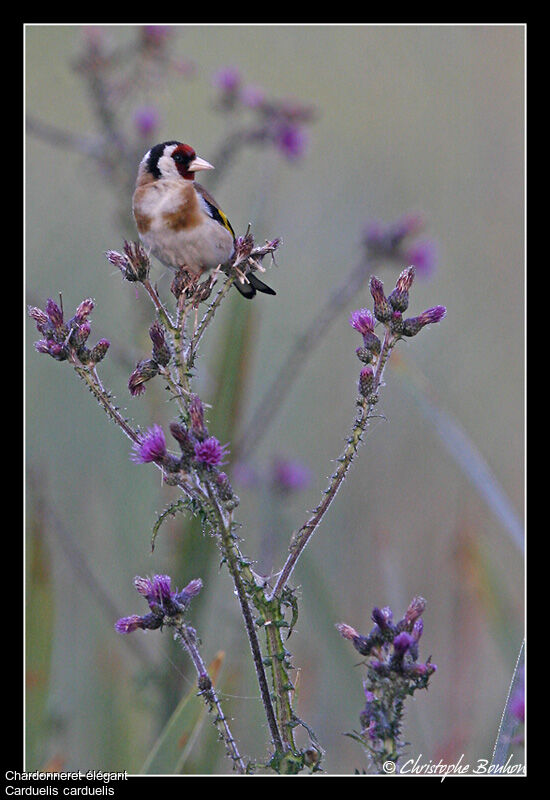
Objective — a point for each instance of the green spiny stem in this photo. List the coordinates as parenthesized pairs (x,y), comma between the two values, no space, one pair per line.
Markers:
(240,572)
(278,662)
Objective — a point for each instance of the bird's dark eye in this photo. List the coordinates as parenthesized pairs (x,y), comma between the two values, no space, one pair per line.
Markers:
(179,158)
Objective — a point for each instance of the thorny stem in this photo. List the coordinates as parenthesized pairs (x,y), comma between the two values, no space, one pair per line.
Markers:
(94,385)
(238,568)
(186,637)
(157,302)
(365,406)
(281,683)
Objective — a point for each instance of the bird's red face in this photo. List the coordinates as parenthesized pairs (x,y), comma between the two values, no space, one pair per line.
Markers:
(187,162)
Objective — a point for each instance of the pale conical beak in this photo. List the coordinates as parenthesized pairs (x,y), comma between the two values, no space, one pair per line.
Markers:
(197,164)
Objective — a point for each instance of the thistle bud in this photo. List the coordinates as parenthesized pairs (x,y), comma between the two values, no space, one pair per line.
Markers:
(364,355)
(223,486)
(399,297)
(396,322)
(382,309)
(183,438)
(413,325)
(40,318)
(99,352)
(382,617)
(80,335)
(415,610)
(366,381)
(161,351)
(134,263)
(83,311)
(196,412)
(144,371)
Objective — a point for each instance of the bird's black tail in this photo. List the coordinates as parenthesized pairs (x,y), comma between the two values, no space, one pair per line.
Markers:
(249,290)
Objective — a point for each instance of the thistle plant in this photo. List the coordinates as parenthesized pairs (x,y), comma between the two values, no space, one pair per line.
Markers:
(393,675)
(193,465)
(193,458)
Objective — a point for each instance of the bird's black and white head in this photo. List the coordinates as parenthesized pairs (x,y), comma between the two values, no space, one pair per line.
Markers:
(172,160)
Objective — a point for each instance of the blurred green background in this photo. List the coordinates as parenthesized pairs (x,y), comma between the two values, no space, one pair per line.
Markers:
(409,118)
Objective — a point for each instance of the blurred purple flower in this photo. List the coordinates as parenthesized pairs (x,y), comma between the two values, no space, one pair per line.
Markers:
(290,476)
(227,79)
(156,34)
(291,140)
(423,255)
(375,233)
(151,446)
(408,225)
(146,121)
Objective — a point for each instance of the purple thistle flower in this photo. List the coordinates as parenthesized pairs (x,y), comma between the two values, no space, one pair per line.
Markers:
(156,589)
(290,476)
(434,314)
(413,325)
(362,320)
(128,624)
(163,602)
(151,446)
(210,452)
(189,592)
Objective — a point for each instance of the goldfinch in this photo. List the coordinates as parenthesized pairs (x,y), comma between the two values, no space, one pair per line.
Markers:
(178,221)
